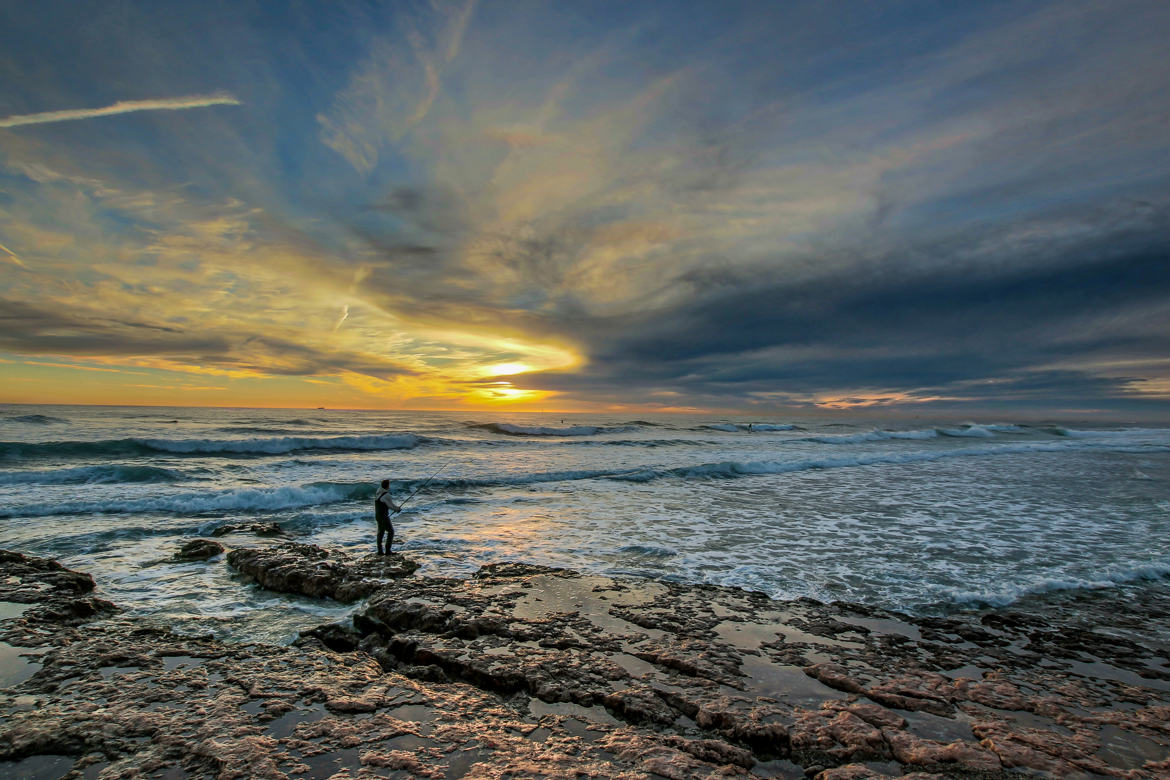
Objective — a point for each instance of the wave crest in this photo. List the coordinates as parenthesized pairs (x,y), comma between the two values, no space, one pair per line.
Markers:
(1108,579)
(508,429)
(263,446)
(36,419)
(92,475)
(748,427)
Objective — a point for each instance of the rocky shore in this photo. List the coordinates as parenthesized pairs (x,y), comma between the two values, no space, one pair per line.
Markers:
(525,671)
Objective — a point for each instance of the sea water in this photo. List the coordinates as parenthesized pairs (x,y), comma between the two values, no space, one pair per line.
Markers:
(917,515)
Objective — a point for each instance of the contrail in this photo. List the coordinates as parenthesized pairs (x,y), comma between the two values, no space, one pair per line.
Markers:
(343,318)
(12,255)
(122,107)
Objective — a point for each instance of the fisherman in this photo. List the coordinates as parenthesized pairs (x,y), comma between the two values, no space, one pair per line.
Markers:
(383,507)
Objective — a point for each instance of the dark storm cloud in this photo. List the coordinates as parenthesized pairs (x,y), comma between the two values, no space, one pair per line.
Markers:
(29,329)
(944,326)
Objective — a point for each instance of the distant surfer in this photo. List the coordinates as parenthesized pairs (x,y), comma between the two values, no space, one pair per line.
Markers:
(383,507)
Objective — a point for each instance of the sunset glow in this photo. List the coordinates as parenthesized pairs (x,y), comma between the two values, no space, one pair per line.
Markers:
(552,206)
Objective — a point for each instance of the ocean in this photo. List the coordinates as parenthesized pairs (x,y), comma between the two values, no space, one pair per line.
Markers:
(917,515)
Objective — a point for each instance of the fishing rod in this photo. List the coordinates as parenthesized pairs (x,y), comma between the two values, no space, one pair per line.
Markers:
(423,485)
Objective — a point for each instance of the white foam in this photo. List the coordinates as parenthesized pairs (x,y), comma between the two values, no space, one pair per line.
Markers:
(970,430)
(251,499)
(90,475)
(930,433)
(737,468)
(535,430)
(874,435)
(279,445)
(1109,578)
(1129,435)
(748,427)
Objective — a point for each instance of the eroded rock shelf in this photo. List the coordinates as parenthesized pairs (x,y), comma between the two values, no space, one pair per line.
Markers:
(526,671)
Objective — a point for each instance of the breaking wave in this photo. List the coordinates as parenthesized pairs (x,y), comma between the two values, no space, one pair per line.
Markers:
(749,427)
(245,500)
(732,469)
(36,419)
(92,475)
(1110,578)
(508,429)
(262,446)
(968,431)
(1129,435)
(321,493)
(645,443)
(259,429)
(874,435)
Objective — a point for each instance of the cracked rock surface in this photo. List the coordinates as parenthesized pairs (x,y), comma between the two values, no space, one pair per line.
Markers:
(526,671)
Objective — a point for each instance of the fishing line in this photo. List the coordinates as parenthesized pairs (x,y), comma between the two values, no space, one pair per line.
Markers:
(420,487)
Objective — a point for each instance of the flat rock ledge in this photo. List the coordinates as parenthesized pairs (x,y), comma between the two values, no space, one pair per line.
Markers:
(258,529)
(525,671)
(308,570)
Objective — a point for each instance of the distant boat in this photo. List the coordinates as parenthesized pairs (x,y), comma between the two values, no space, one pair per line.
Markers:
(320,408)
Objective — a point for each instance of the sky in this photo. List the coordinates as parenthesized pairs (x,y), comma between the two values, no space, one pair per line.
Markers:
(587,206)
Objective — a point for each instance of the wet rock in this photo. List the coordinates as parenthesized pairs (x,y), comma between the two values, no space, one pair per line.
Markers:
(851,772)
(58,595)
(1029,750)
(259,529)
(834,676)
(525,671)
(146,702)
(840,734)
(926,693)
(198,550)
(31,579)
(996,693)
(916,751)
(714,751)
(311,571)
(640,706)
(342,639)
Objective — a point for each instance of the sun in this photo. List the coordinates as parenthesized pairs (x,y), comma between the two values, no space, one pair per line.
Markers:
(507,369)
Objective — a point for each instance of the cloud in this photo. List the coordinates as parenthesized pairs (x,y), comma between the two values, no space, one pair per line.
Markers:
(710,209)
(121,107)
(394,89)
(1070,320)
(206,348)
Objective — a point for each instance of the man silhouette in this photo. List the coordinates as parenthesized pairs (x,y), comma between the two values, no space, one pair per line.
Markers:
(383,507)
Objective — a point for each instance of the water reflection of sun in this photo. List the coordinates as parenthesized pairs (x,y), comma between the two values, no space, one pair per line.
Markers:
(522,527)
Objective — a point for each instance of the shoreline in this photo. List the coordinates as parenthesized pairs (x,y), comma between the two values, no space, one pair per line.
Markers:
(528,671)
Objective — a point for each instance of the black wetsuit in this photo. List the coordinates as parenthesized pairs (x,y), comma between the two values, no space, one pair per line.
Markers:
(382,515)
